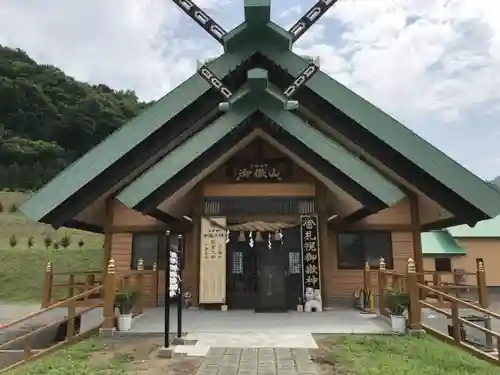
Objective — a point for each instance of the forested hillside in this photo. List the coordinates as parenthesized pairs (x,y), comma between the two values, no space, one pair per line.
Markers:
(48,119)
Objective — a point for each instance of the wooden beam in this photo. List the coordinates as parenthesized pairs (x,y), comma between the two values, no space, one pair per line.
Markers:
(197,213)
(138,228)
(373,227)
(324,244)
(416,233)
(109,207)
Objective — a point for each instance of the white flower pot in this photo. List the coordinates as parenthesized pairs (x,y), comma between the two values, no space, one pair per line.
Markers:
(398,323)
(124,322)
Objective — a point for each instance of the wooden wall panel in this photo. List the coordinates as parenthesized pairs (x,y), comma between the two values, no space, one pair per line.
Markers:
(402,249)
(486,248)
(398,214)
(126,216)
(121,251)
(342,284)
(190,268)
(250,153)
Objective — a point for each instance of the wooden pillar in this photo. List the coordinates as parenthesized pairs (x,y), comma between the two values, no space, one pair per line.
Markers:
(47,285)
(154,284)
(325,253)
(140,287)
(196,253)
(108,223)
(109,296)
(484,299)
(367,283)
(414,311)
(416,236)
(382,285)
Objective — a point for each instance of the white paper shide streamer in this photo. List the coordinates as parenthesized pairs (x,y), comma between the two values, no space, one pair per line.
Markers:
(174,273)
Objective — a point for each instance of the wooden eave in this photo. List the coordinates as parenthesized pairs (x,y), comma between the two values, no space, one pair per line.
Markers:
(353,176)
(173,194)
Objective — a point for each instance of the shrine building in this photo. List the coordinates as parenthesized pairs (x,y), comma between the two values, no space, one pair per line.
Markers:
(277,177)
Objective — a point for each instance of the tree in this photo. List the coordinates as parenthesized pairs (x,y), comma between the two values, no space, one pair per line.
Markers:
(48,119)
(13,241)
(13,208)
(1,207)
(31,242)
(47,241)
(55,245)
(80,243)
(65,242)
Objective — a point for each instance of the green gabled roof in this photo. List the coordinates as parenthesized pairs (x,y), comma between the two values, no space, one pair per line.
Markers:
(336,155)
(257,34)
(440,243)
(115,146)
(483,229)
(181,157)
(444,169)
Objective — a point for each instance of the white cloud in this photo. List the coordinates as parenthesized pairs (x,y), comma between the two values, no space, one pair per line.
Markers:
(417,56)
(127,44)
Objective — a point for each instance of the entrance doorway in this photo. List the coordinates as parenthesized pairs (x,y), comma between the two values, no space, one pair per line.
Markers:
(264,273)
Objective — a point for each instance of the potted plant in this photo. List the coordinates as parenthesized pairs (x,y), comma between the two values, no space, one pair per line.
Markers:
(125,301)
(397,303)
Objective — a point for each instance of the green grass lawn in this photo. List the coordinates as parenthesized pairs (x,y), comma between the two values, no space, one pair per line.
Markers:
(111,357)
(22,268)
(392,355)
(77,359)
(18,225)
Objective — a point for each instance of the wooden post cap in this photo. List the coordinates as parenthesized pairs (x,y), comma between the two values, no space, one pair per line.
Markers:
(382,264)
(411,266)
(48,267)
(140,264)
(155,266)
(480,266)
(367,266)
(111,266)
(167,232)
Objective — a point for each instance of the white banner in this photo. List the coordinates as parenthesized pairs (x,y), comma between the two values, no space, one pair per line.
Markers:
(213,261)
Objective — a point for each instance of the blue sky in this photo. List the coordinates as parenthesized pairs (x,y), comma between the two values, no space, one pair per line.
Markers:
(432,64)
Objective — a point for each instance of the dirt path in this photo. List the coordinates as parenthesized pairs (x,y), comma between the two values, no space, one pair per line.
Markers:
(140,356)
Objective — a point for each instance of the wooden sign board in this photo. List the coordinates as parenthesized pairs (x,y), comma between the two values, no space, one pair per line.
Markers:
(213,261)
(310,251)
(261,171)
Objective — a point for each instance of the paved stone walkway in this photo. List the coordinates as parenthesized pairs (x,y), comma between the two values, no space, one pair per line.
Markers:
(257,361)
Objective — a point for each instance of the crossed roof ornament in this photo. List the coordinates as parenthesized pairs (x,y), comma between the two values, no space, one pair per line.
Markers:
(219,34)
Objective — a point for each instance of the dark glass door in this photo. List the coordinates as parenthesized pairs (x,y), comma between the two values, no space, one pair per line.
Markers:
(271,277)
(241,281)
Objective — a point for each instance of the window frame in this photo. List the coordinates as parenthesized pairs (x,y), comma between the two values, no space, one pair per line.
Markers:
(389,261)
(134,259)
(436,259)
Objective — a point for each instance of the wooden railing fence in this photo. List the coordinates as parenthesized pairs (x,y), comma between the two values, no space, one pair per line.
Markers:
(85,292)
(437,297)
